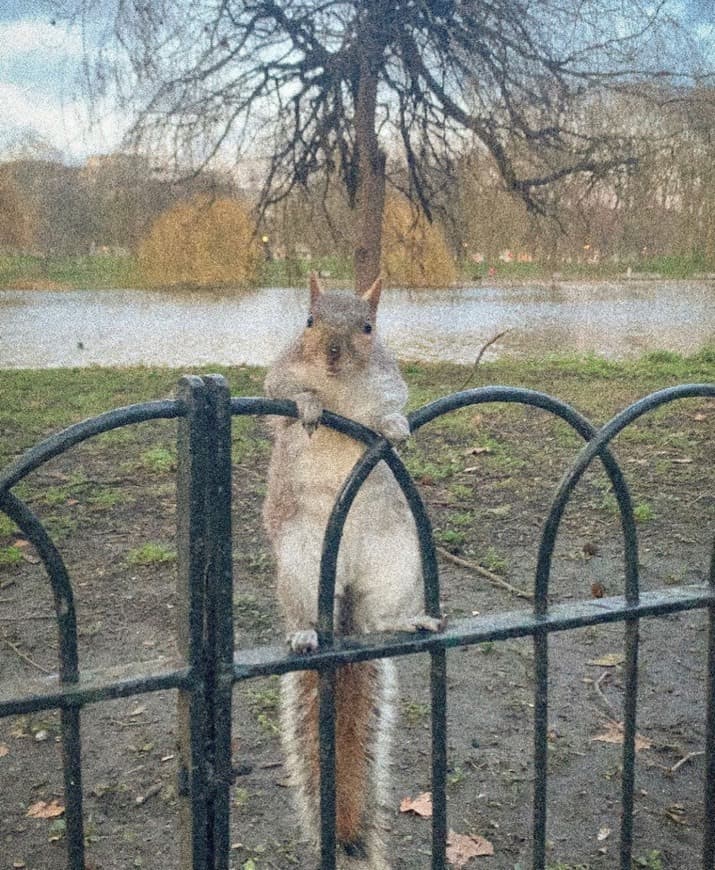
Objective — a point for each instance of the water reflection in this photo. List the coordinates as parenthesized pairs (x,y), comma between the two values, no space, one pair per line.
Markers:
(41,329)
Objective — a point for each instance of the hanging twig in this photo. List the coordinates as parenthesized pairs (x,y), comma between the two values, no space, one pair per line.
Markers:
(493,578)
(479,357)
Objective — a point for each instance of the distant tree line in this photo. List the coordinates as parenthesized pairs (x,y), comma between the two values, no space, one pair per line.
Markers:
(662,203)
(108,203)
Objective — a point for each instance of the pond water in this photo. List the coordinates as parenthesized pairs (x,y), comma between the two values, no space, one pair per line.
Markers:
(47,329)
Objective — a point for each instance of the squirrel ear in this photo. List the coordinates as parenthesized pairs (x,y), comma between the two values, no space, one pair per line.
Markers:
(372,296)
(316,291)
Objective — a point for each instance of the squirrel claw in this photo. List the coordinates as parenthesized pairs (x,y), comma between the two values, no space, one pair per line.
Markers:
(395,427)
(303,641)
(309,411)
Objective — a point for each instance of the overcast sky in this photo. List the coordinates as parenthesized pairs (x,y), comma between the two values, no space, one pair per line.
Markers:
(40,79)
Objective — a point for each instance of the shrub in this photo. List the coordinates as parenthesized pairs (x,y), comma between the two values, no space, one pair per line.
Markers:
(203,242)
(414,251)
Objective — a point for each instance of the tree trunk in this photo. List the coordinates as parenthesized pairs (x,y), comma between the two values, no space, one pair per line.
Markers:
(370,192)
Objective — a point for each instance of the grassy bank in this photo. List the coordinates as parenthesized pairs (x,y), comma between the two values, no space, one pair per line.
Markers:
(37,402)
(101,272)
(24,272)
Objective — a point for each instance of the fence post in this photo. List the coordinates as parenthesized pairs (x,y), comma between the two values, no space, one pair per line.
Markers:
(191,535)
(219,620)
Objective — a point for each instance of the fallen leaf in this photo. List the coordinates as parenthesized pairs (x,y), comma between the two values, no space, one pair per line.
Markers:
(461,848)
(4,749)
(700,417)
(610,660)
(420,806)
(598,590)
(614,734)
(45,810)
(676,813)
(603,834)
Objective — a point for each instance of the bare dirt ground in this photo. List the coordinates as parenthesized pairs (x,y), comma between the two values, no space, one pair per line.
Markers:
(487,476)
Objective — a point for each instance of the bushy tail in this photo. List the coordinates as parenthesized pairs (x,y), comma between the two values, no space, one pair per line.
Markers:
(364,706)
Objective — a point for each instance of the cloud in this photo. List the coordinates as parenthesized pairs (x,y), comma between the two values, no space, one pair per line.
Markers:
(40,66)
(30,36)
(67,125)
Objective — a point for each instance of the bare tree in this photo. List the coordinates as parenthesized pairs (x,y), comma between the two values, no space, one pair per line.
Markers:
(336,87)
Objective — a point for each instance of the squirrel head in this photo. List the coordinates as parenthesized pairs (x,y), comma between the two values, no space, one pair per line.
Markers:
(339,335)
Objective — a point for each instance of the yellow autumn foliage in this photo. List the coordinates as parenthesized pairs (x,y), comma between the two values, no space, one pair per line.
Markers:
(203,242)
(414,251)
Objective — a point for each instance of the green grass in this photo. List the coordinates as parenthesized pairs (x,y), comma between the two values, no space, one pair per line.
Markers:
(264,703)
(294,272)
(151,553)
(159,460)
(98,272)
(414,712)
(37,403)
(104,271)
(671,266)
(7,526)
(11,555)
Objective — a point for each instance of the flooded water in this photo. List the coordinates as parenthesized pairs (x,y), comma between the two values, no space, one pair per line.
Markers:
(42,329)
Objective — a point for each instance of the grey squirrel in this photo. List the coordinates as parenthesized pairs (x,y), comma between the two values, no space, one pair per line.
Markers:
(338,363)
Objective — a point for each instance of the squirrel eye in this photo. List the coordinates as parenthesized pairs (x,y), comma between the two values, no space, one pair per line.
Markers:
(309,321)
(367,328)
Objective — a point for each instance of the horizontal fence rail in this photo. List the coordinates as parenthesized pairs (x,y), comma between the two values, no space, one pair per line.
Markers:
(208,665)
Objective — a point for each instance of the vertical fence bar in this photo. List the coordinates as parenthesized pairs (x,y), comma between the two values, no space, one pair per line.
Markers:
(326,730)
(219,621)
(438,680)
(541,748)
(630,703)
(193,459)
(631,644)
(709,826)
(72,767)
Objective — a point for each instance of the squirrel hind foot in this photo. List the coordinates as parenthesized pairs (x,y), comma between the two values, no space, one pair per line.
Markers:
(303,641)
(430,623)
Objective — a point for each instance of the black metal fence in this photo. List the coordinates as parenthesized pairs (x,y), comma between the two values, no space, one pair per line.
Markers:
(211,666)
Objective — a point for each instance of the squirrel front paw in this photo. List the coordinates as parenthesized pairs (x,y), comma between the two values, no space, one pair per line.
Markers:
(303,641)
(309,410)
(395,427)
